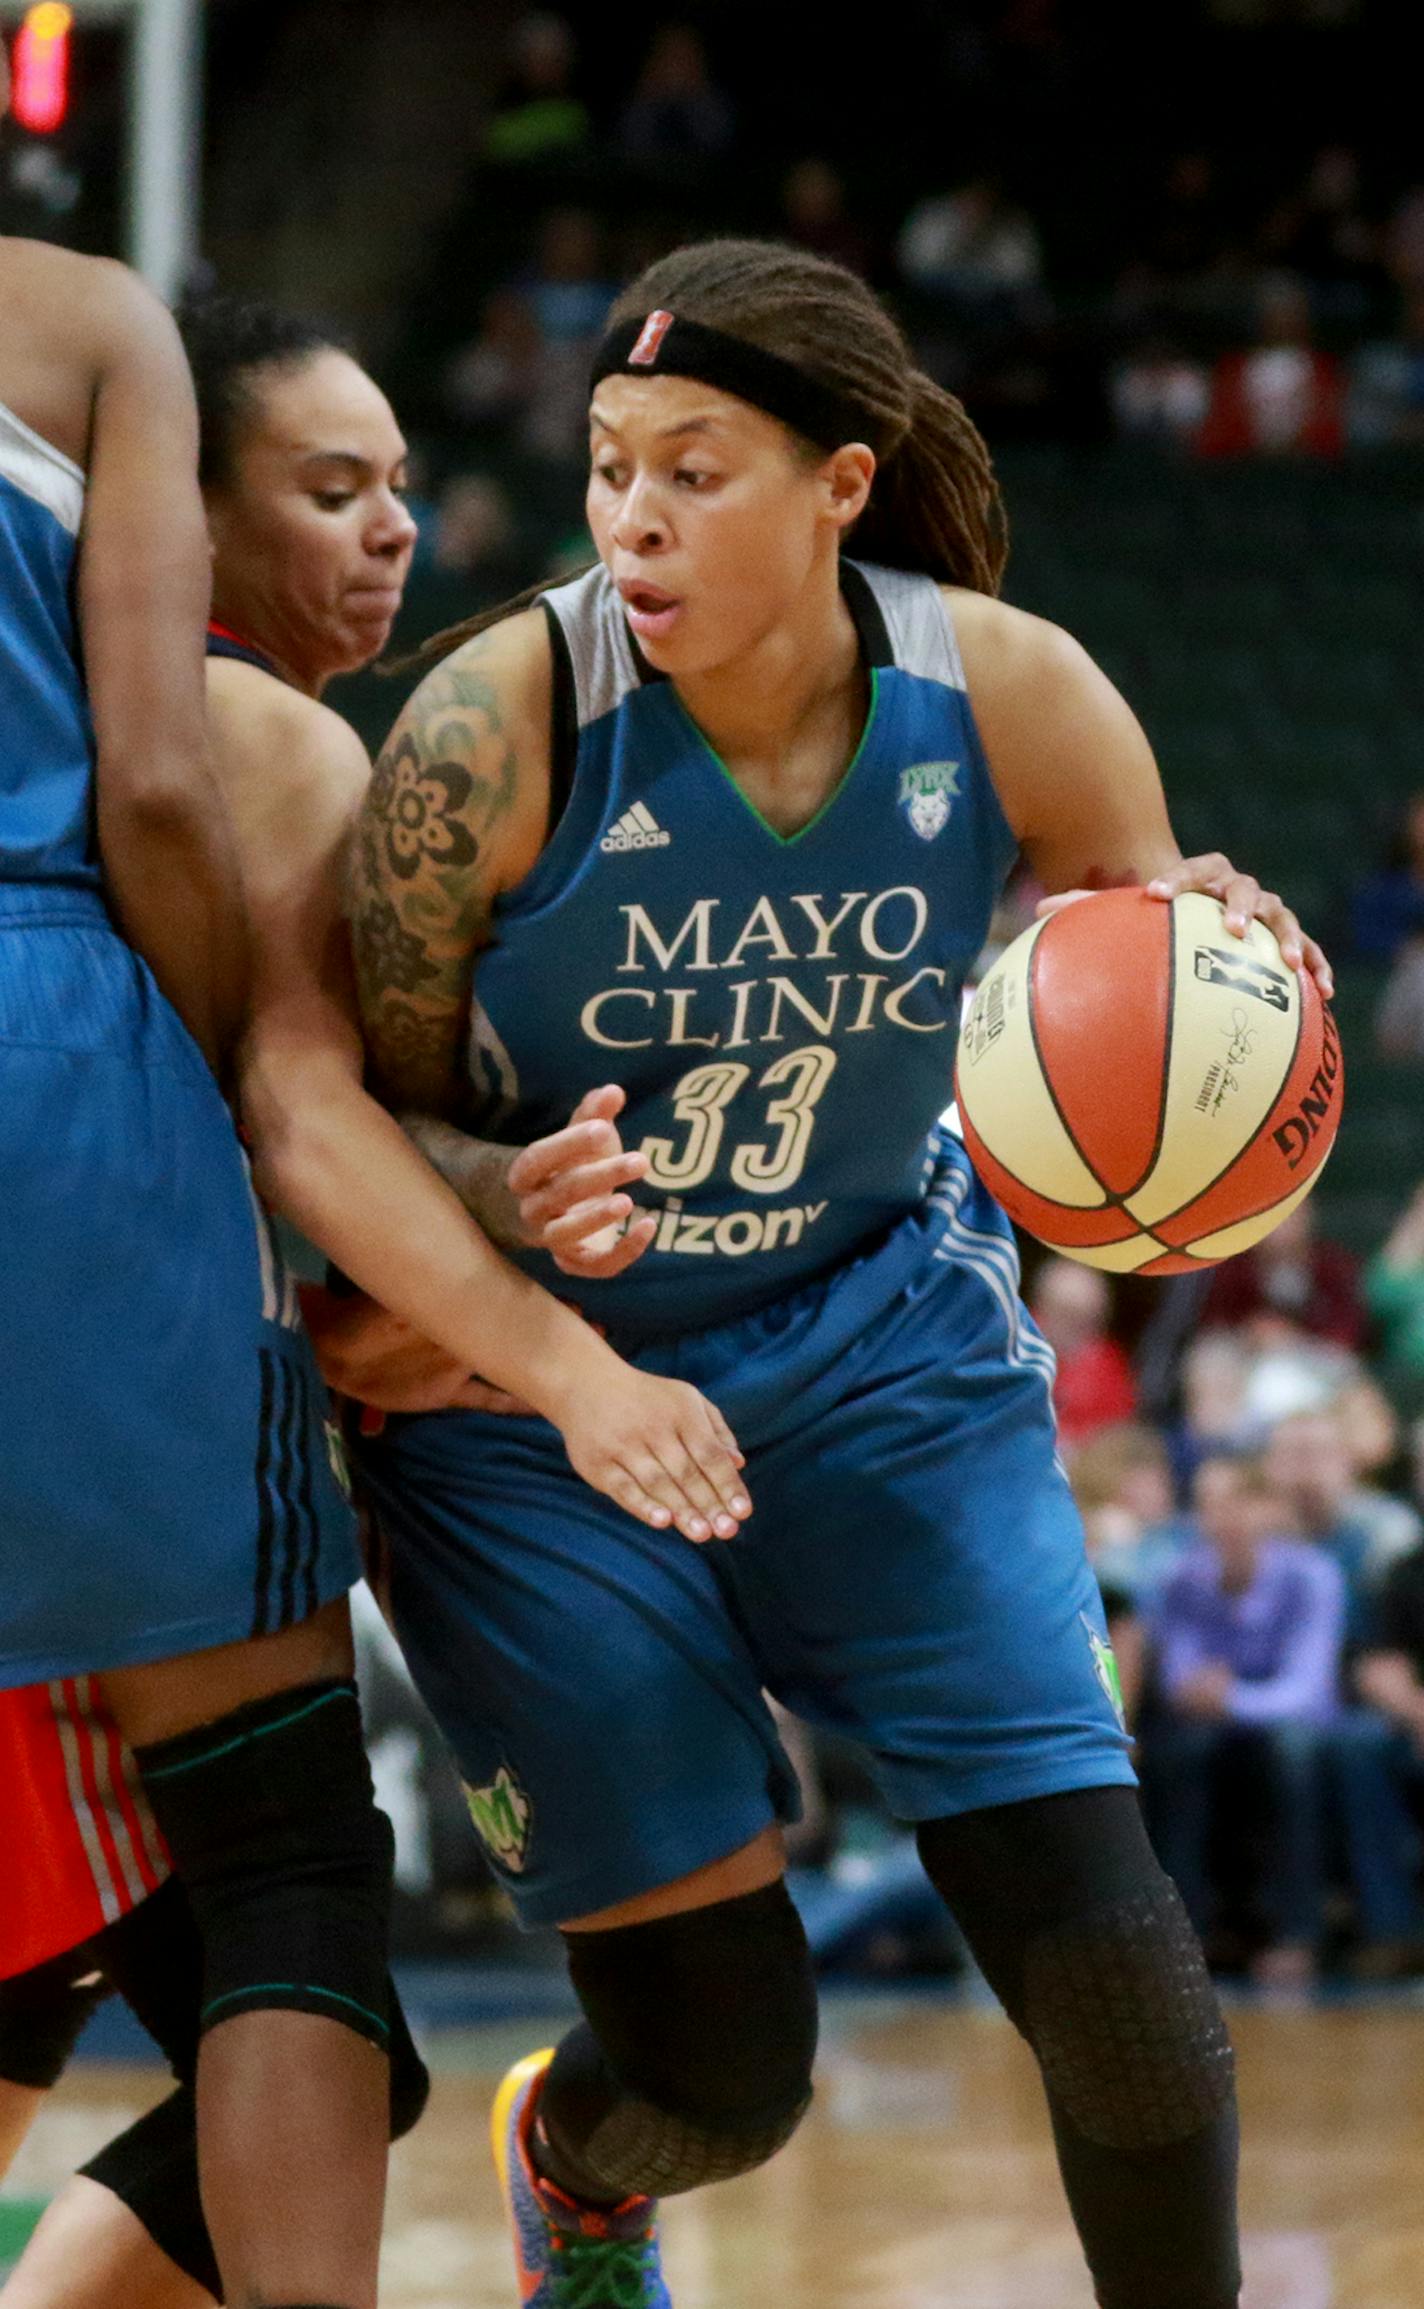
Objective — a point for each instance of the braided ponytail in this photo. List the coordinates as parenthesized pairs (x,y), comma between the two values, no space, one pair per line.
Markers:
(935,505)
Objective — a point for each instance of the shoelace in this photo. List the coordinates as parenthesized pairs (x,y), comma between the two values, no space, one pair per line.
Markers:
(603,2272)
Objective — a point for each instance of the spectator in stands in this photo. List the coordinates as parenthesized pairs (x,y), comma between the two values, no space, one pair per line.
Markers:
(972,250)
(1399,1016)
(566,285)
(1293,1281)
(474,529)
(1394,1291)
(1386,404)
(1072,1306)
(677,112)
(1282,395)
(491,382)
(537,114)
(1388,906)
(1404,239)
(1321,232)
(1361,1529)
(1122,1481)
(1248,1643)
(1158,393)
(815,215)
(1377,1756)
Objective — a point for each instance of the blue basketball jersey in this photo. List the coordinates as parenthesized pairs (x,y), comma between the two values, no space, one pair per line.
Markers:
(46,738)
(781,1010)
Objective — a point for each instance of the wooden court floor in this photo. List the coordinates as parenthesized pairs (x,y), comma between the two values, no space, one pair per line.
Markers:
(923,2178)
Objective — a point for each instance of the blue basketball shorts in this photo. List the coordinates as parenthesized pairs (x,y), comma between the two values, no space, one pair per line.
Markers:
(913,1577)
(165,1483)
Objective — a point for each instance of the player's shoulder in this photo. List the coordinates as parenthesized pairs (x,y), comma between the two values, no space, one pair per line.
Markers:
(92,305)
(302,752)
(1007,647)
(502,677)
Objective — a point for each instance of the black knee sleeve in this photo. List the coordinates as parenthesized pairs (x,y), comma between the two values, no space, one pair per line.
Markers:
(695,2061)
(272,1824)
(1124,2020)
(1086,1943)
(41,2014)
(152,2166)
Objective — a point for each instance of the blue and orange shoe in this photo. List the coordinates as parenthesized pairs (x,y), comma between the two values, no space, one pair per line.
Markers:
(568,2255)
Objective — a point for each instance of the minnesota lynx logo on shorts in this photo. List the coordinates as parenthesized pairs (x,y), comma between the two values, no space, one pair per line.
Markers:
(502,1815)
(927,790)
(1105,1666)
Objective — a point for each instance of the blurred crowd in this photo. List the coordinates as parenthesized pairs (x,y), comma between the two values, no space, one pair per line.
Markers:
(1222,310)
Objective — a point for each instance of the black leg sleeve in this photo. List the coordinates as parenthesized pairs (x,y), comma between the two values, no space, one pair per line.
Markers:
(1086,1943)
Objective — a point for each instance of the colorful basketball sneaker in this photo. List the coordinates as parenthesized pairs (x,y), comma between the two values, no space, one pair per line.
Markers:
(568,2255)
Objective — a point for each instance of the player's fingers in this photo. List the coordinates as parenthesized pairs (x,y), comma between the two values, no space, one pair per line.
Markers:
(601,1104)
(645,1463)
(582,1183)
(545,1158)
(590,1223)
(1214,875)
(611,1252)
(712,1447)
(621,1484)
(695,1485)
(1315,961)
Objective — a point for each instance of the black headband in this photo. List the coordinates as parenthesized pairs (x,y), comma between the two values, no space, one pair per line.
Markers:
(662,345)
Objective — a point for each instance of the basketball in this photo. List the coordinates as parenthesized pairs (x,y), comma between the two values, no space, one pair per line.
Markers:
(1144,1091)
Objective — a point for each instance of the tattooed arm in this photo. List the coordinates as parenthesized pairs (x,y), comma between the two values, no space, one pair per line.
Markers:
(455,814)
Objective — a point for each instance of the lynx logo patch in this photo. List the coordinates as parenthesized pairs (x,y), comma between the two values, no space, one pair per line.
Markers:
(927,790)
(503,1817)
(1105,1668)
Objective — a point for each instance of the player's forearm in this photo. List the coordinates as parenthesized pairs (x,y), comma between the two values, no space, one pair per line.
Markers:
(173,883)
(342,1170)
(476,1169)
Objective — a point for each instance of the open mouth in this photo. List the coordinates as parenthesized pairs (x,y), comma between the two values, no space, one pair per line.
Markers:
(651,611)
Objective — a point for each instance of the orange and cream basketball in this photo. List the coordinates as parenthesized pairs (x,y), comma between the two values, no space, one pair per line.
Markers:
(1141,1089)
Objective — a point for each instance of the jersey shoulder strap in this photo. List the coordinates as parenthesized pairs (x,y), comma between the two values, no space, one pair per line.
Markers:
(918,629)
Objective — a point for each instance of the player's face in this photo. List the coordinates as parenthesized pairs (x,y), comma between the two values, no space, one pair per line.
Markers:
(707,516)
(311,538)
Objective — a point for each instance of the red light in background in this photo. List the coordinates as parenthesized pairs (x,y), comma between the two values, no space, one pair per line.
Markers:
(39,97)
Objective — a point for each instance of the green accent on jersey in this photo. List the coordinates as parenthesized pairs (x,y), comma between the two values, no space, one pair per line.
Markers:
(789,841)
(1105,1663)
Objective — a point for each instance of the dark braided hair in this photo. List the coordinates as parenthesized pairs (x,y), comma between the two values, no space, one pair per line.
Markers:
(935,504)
(227,343)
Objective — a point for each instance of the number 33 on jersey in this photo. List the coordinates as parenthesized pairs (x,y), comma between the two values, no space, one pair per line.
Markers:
(781,1010)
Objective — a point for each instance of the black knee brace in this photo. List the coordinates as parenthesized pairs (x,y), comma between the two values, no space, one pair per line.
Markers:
(152,2166)
(272,1824)
(1087,1945)
(695,2061)
(41,2014)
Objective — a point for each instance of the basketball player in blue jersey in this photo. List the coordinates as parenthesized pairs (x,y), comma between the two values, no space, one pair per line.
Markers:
(148,1481)
(302,465)
(723,821)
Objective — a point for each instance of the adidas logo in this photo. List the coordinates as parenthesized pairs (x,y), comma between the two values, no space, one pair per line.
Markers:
(637,829)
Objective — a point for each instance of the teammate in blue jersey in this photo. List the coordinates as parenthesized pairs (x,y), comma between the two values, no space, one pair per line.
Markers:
(303,469)
(146,1481)
(722,822)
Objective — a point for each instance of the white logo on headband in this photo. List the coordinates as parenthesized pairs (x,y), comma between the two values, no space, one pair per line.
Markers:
(650,337)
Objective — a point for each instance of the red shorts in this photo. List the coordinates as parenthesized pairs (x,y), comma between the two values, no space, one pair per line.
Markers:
(80,1843)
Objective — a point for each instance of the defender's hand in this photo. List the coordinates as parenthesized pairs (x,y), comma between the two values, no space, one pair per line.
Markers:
(662,1451)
